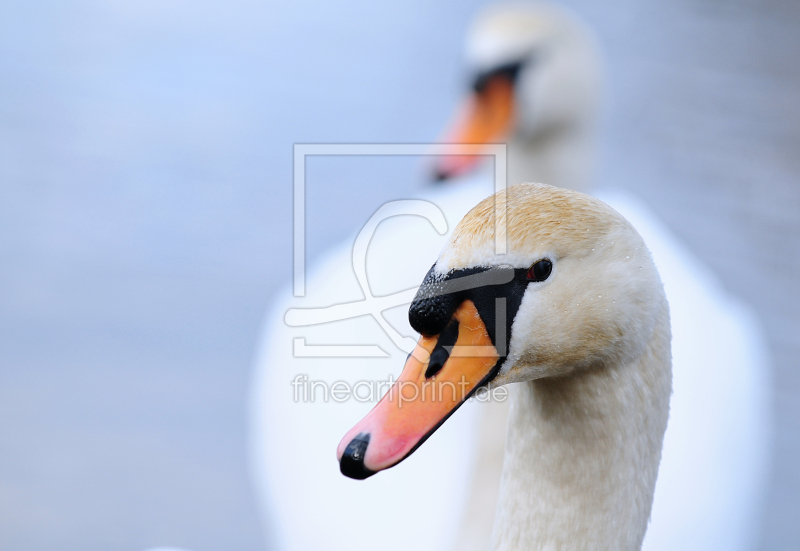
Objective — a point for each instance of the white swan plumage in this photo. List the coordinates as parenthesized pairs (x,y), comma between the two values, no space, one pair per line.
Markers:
(717,441)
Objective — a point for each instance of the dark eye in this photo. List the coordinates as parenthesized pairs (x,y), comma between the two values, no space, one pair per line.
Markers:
(540,270)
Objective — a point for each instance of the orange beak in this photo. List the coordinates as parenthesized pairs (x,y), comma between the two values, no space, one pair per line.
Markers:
(486,117)
(442,372)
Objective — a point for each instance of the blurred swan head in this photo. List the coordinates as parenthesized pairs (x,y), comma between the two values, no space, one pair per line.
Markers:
(536,85)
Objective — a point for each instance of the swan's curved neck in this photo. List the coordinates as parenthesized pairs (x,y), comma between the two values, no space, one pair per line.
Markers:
(582,455)
(560,157)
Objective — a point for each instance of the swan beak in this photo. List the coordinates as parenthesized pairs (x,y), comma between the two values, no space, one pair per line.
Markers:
(486,117)
(435,381)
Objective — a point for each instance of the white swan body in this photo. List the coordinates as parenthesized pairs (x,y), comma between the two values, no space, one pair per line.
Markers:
(715,451)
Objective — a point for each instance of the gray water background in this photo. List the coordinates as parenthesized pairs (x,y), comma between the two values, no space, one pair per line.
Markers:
(145,220)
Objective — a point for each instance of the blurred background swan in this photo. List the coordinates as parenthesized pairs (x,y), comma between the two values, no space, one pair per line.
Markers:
(146,204)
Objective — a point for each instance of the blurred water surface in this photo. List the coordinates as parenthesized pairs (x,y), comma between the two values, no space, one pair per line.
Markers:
(145,219)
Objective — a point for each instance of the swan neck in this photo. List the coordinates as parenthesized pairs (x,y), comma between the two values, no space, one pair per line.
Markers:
(562,157)
(582,455)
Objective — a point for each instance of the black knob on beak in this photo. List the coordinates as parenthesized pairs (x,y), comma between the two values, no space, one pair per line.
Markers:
(432,308)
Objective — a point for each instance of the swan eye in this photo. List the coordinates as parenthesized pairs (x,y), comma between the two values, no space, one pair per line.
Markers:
(540,271)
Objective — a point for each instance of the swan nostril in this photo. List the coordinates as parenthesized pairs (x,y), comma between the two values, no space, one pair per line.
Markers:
(352,462)
(436,364)
(441,352)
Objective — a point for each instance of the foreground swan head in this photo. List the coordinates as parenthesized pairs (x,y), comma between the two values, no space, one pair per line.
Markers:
(574,311)
(536,85)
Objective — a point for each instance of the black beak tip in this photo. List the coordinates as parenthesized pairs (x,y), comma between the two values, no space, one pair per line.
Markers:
(352,462)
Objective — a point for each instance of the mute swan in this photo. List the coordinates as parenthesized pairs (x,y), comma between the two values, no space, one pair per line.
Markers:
(716,441)
(575,315)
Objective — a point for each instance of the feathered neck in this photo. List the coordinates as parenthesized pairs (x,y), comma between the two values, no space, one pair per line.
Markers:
(561,157)
(582,454)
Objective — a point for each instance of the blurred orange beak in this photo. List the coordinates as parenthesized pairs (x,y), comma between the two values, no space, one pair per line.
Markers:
(486,117)
(434,383)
